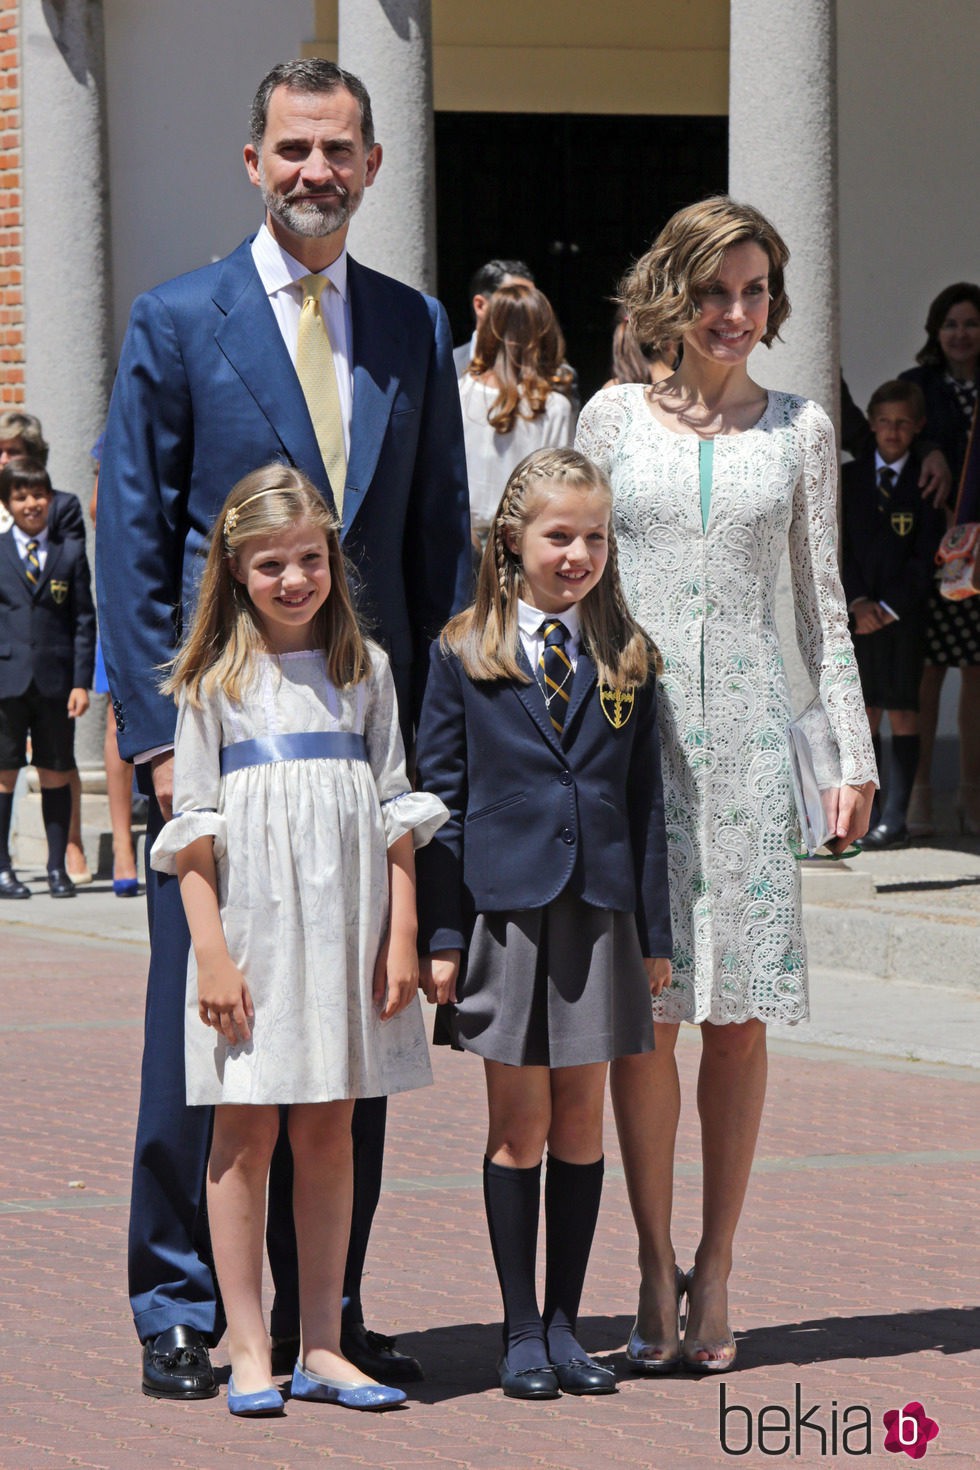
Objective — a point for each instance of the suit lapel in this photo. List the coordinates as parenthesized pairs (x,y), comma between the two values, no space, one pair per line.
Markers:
(249,337)
(8,549)
(52,562)
(582,687)
(532,699)
(377,349)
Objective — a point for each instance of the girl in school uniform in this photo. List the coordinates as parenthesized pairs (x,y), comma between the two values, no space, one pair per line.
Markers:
(538,732)
(293,843)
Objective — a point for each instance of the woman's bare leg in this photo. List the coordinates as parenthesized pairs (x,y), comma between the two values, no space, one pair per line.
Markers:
(647,1101)
(119,787)
(731,1094)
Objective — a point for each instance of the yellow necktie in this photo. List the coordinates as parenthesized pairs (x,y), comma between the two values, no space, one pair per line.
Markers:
(318,380)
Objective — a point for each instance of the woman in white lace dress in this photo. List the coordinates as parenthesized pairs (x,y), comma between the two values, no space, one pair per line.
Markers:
(714,478)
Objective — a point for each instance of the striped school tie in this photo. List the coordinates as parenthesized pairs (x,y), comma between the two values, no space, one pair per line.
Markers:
(555,672)
(32,563)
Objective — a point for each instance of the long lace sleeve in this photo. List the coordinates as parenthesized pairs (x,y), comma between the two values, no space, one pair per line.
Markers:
(197,786)
(818,599)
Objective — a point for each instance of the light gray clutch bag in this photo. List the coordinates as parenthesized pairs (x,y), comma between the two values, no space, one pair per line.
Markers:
(814,765)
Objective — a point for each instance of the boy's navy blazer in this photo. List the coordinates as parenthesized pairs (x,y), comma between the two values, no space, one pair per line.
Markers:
(47,632)
(205,393)
(534,812)
(878,562)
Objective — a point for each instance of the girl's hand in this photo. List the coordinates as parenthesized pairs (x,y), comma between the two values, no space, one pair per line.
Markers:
(439,973)
(658,974)
(853,815)
(77,703)
(396,976)
(223,1000)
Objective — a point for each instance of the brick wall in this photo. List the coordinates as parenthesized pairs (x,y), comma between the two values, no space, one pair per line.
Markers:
(11,221)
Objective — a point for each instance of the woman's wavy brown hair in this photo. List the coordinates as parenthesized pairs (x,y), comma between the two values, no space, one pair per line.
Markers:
(932,354)
(226,636)
(520,342)
(661,294)
(485,636)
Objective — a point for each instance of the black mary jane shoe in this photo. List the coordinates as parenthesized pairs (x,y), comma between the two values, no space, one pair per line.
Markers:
(377,1356)
(59,884)
(584,1375)
(529,1383)
(11,886)
(883,836)
(176,1365)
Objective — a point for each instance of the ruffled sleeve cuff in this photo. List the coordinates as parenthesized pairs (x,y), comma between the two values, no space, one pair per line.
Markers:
(418,812)
(183,829)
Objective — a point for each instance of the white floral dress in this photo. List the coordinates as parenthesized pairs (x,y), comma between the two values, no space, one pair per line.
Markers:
(706,595)
(313,793)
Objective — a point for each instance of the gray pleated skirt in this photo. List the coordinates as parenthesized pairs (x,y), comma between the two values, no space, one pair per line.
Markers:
(554,987)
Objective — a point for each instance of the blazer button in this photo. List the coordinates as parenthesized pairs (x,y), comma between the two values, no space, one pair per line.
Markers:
(568,836)
(565,778)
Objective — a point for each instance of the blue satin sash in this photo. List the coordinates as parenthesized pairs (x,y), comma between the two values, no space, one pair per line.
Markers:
(307,745)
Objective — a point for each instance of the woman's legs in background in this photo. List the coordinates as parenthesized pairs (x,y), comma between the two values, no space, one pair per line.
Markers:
(119,787)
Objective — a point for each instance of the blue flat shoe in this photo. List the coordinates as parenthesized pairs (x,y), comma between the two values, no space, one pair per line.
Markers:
(257,1405)
(126,887)
(311,1386)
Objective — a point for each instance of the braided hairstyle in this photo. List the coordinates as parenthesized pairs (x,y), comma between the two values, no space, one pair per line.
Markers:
(485,636)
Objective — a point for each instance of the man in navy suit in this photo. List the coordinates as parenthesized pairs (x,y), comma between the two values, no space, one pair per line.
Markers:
(207,390)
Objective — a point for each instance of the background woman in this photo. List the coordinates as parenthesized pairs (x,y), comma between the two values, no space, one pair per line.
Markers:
(632,363)
(713,478)
(513,395)
(947,374)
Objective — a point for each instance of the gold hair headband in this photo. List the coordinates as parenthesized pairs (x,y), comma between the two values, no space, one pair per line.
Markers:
(231,519)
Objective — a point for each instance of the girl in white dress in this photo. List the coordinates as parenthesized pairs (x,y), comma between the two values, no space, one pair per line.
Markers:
(714,478)
(293,841)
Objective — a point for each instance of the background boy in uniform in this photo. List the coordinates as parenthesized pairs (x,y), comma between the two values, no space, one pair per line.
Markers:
(890,537)
(47,652)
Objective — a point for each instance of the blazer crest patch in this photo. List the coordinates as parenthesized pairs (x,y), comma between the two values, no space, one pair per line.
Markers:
(59,590)
(902,522)
(616,704)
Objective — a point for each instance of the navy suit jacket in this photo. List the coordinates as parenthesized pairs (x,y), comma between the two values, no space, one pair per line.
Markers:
(205,393)
(889,554)
(65,516)
(534,813)
(47,632)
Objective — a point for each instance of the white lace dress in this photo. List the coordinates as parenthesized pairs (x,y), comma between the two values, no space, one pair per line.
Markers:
(313,793)
(707,597)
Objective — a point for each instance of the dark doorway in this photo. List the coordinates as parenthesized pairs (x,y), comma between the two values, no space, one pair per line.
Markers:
(577,197)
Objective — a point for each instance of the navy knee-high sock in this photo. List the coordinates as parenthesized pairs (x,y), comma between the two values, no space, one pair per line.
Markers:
(513,1203)
(875,817)
(901,774)
(6,812)
(571,1208)
(56,816)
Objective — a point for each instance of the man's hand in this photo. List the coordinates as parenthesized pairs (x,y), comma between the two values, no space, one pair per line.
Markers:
(162,773)
(935,478)
(438,973)
(77,703)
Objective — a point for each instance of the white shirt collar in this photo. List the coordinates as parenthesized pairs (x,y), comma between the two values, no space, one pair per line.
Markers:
(277,268)
(21,539)
(898,466)
(529,620)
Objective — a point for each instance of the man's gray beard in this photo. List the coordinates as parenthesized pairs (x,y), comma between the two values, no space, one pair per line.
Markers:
(304,217)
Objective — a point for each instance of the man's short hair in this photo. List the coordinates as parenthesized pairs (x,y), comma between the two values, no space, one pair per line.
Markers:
(20,472)
(309,75)
(491,277)
(14,424)
(899,390)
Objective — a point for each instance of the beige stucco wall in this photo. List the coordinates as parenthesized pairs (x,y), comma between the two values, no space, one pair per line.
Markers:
(571,55)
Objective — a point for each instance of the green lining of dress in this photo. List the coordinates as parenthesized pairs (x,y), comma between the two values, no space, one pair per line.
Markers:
(706,460)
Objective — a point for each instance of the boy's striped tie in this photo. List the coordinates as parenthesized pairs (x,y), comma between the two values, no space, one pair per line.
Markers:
(555,671)
(32,564)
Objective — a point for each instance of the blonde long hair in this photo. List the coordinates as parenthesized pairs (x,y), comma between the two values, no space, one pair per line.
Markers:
(485,636)
(225,636)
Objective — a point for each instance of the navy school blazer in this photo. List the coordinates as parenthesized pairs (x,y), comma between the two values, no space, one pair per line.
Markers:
(888,555)
(47,632)
(534,812)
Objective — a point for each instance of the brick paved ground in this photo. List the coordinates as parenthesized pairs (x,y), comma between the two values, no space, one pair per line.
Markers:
(858,1263)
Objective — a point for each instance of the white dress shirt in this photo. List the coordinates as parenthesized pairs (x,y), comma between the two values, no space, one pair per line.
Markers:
(529,624)
(280,275)
(881,464)
(21,539)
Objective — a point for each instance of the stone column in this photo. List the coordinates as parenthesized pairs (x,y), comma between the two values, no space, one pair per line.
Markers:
(66,268)
(783,160)
(388,44)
